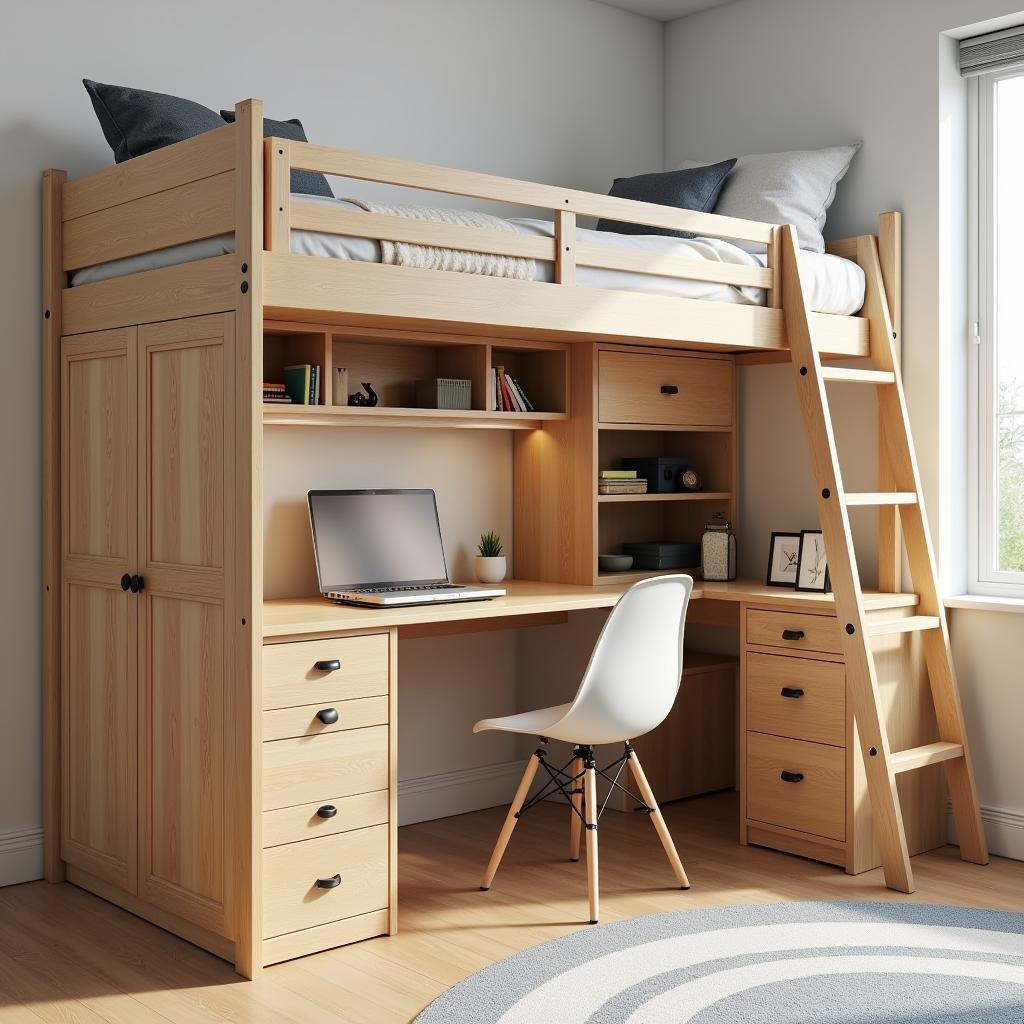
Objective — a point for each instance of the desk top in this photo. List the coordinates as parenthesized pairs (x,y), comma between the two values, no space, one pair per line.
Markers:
(314,615)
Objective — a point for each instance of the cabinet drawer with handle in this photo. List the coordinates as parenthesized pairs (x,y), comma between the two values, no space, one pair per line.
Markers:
(796,697)
(324,818)
(323,880)
(796,630)
(324,670)
(796,784)
(316,719)
(634,387)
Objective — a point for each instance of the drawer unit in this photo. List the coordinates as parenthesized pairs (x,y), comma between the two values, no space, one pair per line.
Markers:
(317,768)
(323,880)
(317,719)
(324,818)
(794,630)
(313,671)
(636,387)
(797,697)
(797,785)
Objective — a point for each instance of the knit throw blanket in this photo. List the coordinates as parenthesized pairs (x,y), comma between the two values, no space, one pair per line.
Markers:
(429,257)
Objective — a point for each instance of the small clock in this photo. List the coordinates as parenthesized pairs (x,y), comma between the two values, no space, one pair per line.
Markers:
(689,480)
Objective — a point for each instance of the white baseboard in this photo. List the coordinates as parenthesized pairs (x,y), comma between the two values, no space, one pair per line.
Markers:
(21,855)
(1004,830)
(458,792)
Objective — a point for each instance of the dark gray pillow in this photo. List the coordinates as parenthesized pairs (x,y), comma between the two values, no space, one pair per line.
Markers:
(695,188)
(307,183)
(135,121)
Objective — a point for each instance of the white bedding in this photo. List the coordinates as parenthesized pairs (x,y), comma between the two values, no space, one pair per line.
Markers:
(835,285)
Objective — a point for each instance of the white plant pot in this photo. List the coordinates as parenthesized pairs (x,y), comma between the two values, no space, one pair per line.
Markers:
(490,570)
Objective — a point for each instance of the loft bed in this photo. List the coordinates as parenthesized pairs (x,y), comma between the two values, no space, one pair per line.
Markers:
(204,188)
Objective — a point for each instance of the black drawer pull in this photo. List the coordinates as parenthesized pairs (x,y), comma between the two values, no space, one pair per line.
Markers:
(794,692)
(792,634)
(333,665)
(329,883)
(670,389)
(327,715)
(126,581)
(791,776)
(136,584)
(327,811)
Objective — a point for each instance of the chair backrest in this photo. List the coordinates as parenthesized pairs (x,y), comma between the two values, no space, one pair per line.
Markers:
(635,670)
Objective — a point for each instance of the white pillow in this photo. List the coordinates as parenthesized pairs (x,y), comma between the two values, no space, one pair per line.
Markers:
(785,188)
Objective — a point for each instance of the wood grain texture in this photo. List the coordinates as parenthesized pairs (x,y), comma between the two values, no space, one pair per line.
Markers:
(820,632)
(294,824)
(289,723)
(67,953)
(818,714)
(291,678)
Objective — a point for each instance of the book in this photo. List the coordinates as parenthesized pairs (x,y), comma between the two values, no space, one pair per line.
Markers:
(314,385)
(296,382)
(508,403)
(617,474)
(284,400)
(622,487)
(520,395)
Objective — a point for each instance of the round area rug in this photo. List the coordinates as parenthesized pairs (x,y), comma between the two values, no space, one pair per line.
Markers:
(784,963)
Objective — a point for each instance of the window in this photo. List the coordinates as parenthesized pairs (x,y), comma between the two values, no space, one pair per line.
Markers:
(997,384)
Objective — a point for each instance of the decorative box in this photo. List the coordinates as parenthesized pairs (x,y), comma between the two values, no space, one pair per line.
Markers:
(662,474)
(663,556)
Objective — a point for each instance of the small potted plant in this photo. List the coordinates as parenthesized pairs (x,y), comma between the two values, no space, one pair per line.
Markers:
(490,563)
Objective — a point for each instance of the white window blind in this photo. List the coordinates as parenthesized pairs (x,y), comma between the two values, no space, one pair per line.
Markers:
(994,51)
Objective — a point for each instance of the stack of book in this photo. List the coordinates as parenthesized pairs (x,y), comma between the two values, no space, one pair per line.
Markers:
(508,393)
(275,394)
(302,384)
(620,481)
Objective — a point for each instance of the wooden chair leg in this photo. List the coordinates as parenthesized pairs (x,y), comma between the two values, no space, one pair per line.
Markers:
(590,812)
(510,820)
(575,822)
(659,822)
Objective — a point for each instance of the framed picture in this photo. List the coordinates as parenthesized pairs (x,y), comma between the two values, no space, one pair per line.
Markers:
(812,566)
(783,559)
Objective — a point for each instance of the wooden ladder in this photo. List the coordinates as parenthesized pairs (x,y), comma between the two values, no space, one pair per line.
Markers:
(899,476)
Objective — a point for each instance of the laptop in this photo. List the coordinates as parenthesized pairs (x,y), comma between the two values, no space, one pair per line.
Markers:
(382,548)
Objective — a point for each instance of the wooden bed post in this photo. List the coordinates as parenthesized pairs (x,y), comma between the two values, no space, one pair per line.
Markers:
(277,199)
(890,545)
(245,597)
(774,264)
(54,281)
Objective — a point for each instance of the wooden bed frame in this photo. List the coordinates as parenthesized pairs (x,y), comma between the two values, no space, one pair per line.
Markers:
(232,180)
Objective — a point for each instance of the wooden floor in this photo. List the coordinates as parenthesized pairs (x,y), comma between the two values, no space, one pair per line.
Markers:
(68,957)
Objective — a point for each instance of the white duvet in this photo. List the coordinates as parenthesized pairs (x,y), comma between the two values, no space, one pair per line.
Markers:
(835,285)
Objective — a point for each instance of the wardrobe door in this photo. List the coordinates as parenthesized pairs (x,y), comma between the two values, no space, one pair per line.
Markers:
(99,730)
(186,431)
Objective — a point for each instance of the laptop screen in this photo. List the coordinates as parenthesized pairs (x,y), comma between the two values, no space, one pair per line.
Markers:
(376,538)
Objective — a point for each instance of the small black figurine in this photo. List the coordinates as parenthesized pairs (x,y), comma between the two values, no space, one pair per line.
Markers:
(369,399)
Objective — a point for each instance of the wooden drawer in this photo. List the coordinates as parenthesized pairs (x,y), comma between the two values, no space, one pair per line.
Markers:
(293,901)
(796,697)
(318,768)
(293,824)
(816,632)
(290,675)
(304,721)
(816,804)
(630,389)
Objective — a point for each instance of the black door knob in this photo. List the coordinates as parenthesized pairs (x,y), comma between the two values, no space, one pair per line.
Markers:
(136,584)
(791,776)
(793,692)
(327,811)
(792,634)
(329,883)
(670,389)
(327,715)
(333,665)
(126,581)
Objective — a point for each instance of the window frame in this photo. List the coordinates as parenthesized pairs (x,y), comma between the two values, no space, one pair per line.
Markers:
(983,576)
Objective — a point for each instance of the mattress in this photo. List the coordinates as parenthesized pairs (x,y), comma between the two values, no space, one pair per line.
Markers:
(835,285)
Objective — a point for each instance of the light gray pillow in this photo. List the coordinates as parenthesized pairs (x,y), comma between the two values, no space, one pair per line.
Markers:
(785,188)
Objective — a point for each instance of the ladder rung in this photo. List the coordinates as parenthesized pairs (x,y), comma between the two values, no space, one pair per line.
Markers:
(882,498)
(910,624)
(919,757)
(839,373)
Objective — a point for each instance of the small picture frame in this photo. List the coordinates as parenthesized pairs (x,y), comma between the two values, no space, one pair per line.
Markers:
(812,565)
(783,560)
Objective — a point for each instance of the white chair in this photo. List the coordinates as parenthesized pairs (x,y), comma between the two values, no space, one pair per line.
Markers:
(628,689)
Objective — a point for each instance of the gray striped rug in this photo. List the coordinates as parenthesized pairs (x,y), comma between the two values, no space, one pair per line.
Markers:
(784,963)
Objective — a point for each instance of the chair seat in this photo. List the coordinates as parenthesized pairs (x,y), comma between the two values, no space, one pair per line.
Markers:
(530,723)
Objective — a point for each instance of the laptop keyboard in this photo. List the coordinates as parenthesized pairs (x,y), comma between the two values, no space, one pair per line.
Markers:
(405,590)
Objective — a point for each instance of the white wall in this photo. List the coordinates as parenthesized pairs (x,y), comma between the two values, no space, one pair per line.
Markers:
(567,93)
(768,75)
